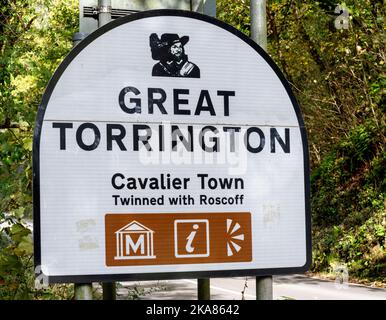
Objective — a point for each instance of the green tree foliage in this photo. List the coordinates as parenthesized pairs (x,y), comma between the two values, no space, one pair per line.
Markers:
(35,35)
(338,76)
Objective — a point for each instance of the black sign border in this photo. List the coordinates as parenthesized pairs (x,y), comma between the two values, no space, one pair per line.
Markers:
(164,275)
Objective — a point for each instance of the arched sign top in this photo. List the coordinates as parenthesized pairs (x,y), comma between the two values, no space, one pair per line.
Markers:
(222,55)
(170,138)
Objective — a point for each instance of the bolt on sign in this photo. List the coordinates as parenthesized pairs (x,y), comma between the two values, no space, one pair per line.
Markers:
(169,145)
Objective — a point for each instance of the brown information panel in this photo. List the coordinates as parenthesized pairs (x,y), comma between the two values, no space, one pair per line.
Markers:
(177,238)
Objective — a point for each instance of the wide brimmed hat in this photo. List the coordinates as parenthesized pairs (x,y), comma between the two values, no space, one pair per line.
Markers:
(160,47)
(169,39)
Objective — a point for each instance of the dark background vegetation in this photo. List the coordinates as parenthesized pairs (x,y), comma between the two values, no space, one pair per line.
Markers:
(338,77)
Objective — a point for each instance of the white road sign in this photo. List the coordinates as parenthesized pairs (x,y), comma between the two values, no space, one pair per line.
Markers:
(169,145)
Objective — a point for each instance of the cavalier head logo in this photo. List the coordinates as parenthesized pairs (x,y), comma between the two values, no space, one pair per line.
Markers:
(173,61)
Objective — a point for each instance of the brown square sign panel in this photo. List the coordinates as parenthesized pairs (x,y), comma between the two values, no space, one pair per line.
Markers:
(177,238)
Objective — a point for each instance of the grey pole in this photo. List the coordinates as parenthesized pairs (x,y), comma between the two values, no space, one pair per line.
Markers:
(259,22)
(203,285)
(83,291)
(264,285)
(264,290)
(203,289)
(104,12)
(78,37)
(209,7)
(109,291)
(104,17)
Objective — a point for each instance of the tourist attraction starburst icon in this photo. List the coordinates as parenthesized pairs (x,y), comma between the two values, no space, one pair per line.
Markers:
(235,237)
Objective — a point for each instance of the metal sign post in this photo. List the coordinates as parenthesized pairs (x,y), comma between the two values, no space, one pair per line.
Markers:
(203,289)
(83,291)
(264,285)
(104,17)
(104,12)
(259,22)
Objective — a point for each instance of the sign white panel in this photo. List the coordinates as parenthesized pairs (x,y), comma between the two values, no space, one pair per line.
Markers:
(169,145)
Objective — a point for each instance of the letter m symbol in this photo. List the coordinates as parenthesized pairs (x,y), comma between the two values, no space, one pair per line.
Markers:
(140,243)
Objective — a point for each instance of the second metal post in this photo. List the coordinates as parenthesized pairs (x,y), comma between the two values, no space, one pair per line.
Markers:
(259,22)
(203,289)
(264,285)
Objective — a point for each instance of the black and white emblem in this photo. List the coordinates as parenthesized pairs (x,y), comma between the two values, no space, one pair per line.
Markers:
(173,61)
